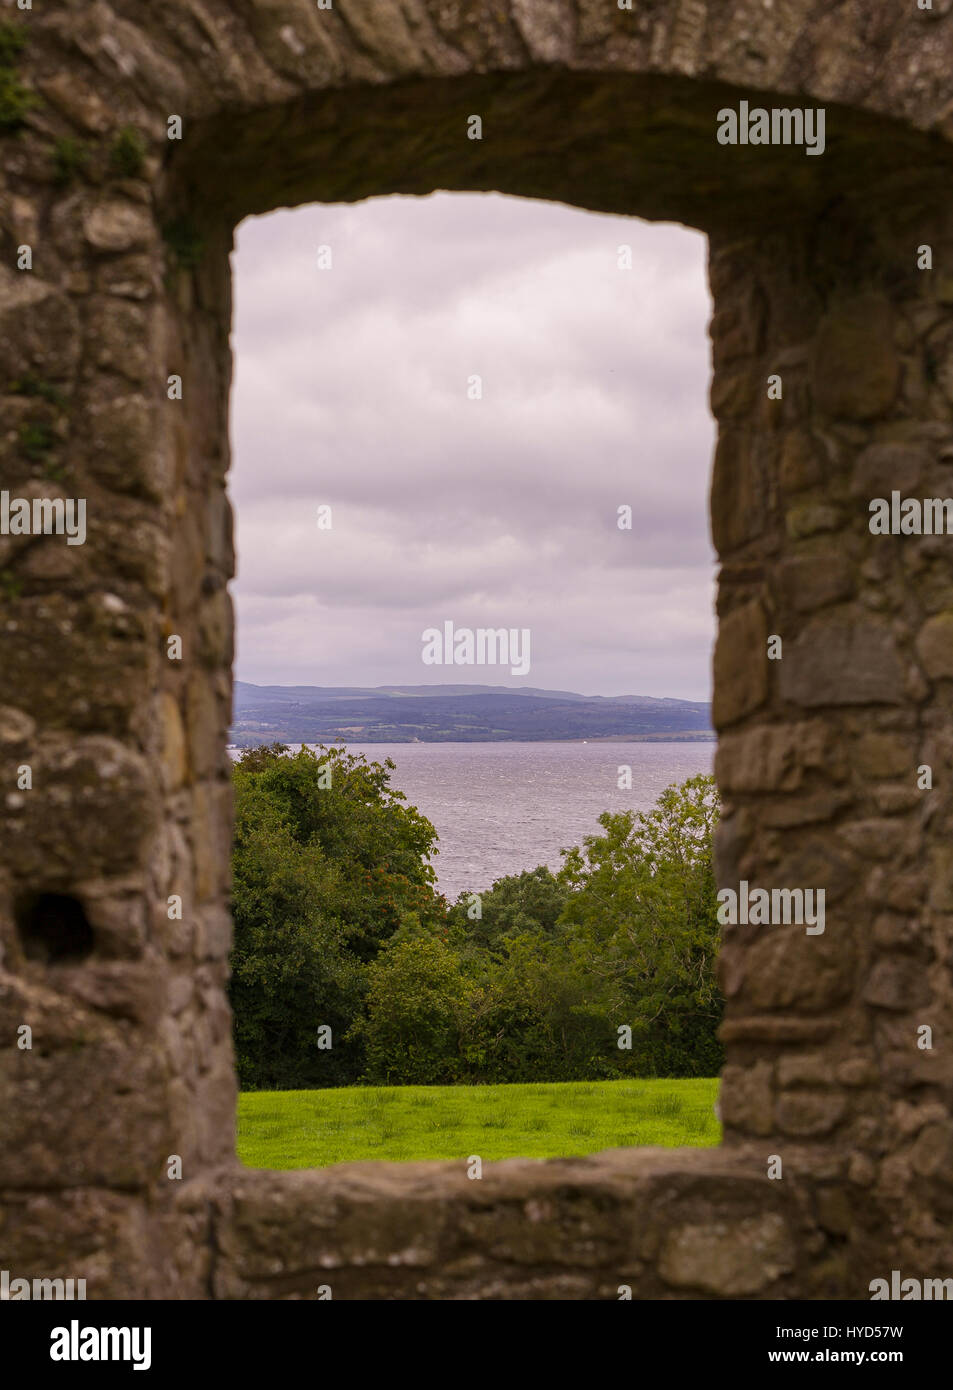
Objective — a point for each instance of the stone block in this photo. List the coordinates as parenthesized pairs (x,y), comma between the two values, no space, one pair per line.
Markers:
(935,646)
(729,1259)
(842,659)
(856,369)
(741,664)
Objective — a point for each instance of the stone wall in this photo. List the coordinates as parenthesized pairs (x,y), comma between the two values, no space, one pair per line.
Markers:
(814,273)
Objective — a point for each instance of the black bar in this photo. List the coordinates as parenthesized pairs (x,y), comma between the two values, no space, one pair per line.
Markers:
(286,1341)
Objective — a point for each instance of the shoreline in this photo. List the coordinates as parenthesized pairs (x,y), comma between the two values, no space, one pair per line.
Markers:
(688,737)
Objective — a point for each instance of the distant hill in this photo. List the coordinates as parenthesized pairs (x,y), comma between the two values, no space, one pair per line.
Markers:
(455,714)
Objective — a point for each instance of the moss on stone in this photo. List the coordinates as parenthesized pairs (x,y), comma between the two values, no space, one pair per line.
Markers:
(11,586)
(36,440)
(127,154)
(12,43)
(184,242)
(32,385)
(15,99)
(70,160)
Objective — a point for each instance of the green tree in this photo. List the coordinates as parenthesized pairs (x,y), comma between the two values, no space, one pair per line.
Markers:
(530,901)
(292,973)
(328,863)
(540,1011)
(340,807)
(643,897)
(338,924)
(415,1014)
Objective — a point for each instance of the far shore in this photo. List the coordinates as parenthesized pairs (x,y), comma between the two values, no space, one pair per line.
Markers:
(688,736)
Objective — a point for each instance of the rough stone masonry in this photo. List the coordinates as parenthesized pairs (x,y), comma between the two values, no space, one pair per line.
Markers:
(114,380)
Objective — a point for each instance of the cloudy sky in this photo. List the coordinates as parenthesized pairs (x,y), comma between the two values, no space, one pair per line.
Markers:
(351,391)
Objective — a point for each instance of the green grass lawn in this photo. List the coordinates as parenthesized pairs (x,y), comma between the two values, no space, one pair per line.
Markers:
(310,1129)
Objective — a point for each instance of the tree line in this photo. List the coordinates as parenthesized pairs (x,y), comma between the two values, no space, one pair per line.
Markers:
(349,966)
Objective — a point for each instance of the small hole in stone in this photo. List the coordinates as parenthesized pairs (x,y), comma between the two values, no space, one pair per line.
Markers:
(53,929)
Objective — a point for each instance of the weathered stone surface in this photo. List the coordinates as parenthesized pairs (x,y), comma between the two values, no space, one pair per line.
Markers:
(807,1114)
(111,1239)
(583,1225)
(91,808)
(119,340)
(174,749)
(734,394)
(804,1069)
(774,758)
(747,1094)
(39,329)
(787,969)
(777,1029)
(124,452)
(897,983)
(941,878)
(65,690)
(840,660)
(932,1154)
(856,367)
(812,519)
(16,726)
(806,810)
(741,665)
(109,1099)
(935,646)
(813,581)
(738,502)
(883,755)
(802,464)
(113,226)
(884,468)
(730,1261)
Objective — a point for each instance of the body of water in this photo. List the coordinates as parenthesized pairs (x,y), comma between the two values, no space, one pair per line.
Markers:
(500,808)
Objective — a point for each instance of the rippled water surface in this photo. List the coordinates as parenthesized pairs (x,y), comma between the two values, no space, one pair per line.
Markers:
(503,807)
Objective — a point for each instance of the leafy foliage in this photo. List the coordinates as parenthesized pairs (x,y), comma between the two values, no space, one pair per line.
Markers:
(643,898)
(337,923)
(416,1007)
(523,902)
(328,862)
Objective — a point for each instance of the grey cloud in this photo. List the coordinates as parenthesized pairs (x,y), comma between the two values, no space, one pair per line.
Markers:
(350,390)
